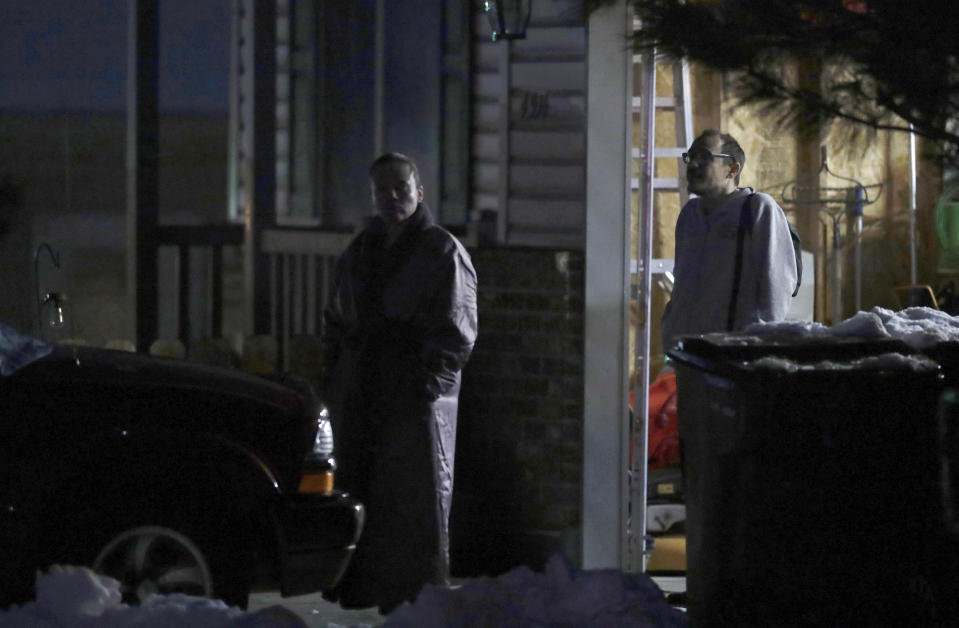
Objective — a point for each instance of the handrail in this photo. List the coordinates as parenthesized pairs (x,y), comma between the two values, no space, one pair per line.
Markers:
(200,235)
(305,241)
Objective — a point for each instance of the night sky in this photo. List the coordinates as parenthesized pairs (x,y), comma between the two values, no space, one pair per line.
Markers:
(72,55)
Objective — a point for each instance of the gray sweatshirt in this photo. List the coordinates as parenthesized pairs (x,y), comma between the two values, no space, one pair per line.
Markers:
(705,262)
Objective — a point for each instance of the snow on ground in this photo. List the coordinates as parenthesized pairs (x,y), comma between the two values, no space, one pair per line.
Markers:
(561,596)
(76,597)
(17,350)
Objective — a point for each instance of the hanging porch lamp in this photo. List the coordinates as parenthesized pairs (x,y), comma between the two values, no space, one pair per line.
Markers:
(508,19)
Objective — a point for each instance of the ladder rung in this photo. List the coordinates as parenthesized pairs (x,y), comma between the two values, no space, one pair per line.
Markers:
(660,102)
(657,265)
(662,151)
(660,57)
(659,183)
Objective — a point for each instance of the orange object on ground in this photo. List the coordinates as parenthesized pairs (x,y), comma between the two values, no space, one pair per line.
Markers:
(663,439)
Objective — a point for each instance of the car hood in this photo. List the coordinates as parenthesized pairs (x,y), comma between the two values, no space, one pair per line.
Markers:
(133,370)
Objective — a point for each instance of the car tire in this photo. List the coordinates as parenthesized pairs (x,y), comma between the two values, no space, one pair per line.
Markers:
(171,559)
(154,560)
(146,548)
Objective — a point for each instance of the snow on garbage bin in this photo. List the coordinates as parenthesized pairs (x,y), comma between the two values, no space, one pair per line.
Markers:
(811,481)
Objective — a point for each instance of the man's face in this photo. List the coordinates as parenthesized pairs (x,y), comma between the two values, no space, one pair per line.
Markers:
(395,193)
(707,175)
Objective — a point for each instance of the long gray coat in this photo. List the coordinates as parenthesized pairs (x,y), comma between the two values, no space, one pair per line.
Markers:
(400,326)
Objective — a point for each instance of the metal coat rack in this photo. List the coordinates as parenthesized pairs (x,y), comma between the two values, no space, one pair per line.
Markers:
(848,197)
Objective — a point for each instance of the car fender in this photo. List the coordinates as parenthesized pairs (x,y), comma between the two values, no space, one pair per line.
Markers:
(226,462)
(162,465)
(210,487)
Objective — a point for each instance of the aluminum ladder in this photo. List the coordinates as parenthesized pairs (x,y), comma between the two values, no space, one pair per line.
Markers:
(643,266)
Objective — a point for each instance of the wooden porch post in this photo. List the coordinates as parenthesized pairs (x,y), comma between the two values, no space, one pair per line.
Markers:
(141,170)
(261,212)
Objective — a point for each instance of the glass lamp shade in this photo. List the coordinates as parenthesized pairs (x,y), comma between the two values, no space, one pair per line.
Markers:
(508,19)
(55,317)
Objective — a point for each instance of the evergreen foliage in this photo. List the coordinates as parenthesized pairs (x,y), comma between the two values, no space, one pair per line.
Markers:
(878,64)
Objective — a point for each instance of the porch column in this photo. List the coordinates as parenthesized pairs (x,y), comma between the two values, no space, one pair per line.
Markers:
(260,211)
(606,414)
(141,170)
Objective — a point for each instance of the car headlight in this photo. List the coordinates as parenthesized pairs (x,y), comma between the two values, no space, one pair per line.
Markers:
(318,468)
(323,445)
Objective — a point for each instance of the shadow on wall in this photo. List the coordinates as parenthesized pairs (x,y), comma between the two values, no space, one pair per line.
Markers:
(488,536)
(518,485)
(484,525)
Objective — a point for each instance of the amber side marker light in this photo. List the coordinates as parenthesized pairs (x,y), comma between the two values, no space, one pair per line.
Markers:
(321,482)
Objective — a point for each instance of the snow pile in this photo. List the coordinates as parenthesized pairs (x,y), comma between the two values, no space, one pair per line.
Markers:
(562,596)
(919,327)
(862,325)
(76,597)
(783,328)
(17,350)
(885,361)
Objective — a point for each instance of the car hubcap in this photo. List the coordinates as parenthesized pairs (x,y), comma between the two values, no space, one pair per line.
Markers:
(153,559)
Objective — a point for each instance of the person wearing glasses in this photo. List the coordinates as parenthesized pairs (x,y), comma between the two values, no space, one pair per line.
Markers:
(709,293)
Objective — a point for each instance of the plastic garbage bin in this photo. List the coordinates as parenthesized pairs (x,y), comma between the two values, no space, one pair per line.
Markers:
(812,483)
(947,355)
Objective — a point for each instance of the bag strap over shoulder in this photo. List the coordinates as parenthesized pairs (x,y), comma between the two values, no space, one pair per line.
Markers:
(745,224)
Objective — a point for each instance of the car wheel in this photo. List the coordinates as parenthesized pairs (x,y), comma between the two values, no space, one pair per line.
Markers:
(155,560)
(153,545)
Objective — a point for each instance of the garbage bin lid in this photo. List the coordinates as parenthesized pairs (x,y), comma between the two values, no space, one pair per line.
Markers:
(738,346)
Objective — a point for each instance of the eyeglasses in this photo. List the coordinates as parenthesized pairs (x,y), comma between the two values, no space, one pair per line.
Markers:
(702,156)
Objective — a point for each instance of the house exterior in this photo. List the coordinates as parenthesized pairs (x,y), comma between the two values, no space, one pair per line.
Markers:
(528,153)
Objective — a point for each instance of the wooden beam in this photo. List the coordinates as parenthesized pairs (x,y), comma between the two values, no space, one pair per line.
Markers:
(200,235)
(141,169)
(216,308)
(808,162)
(261,213)
(183,291)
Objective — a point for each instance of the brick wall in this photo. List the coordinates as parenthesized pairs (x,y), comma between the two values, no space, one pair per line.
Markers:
(519,450)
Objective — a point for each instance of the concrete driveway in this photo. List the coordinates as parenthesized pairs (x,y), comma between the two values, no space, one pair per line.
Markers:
(318,613)
(315,611)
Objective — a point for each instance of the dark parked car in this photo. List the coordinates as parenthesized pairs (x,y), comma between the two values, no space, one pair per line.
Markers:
(169,476)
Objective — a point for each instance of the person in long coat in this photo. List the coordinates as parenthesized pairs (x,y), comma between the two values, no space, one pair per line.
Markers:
(400,325)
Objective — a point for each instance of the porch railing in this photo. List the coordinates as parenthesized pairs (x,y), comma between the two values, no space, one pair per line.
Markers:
(213,237)
(301,272)
(300,275)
